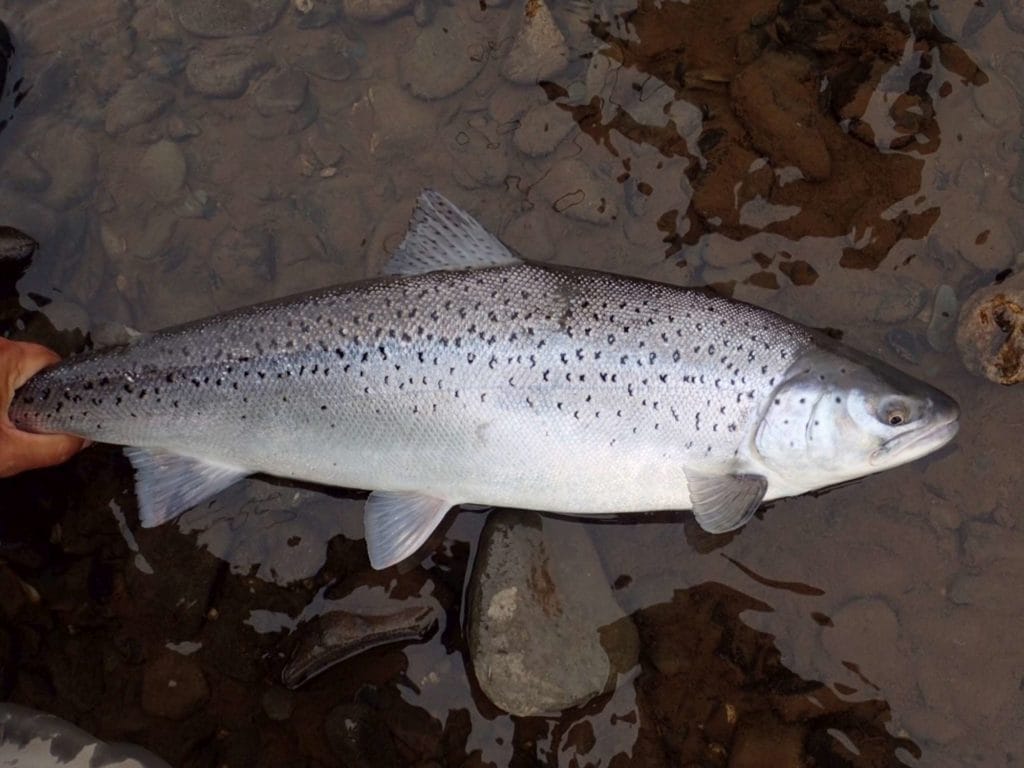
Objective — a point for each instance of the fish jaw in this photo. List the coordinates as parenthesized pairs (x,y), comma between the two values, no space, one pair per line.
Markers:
(915,445)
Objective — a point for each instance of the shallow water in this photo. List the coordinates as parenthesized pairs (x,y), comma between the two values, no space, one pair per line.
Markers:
(874,625)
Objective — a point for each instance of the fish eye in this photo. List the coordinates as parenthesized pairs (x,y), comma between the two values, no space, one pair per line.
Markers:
(896,414)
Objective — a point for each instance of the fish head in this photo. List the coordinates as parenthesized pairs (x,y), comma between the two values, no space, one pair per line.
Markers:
(837,415)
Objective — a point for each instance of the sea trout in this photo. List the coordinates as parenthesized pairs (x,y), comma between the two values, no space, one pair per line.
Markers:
(470,376)
(12,87)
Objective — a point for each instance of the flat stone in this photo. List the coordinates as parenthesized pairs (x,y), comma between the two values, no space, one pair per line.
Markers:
(986,241)
(162,170)
(942,325)
(136,101)
(223,71)
(335,59)
(573,188)
(538,588)
(280,92)
(173,686)
(539,51)
(848,297)
(359,738)
(542,129)
(445,57)
(375,10)
(228,18)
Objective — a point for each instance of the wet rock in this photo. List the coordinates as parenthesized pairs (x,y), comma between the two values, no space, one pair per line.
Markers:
(479,154)
(572,188)
(13,596)
(539,51)
(69,157)
(278,704)
(162,170)
(906,344)
(775,744)
(930,725)
(282,105)
(858,296)
(280,92)
(990,333)
(16,246)
(66,315)
(223,71)
(530,233)
(23,174)
(545,632)
(866,632)
(335,60)
(399,121)
(317,14)
(942,325)
(423,12)
(776,98)
(542,129)
(445,57)
(242,260)
(359,738)
(340,635)
(986,242)
(228,18)
(136,101)
(1013,12)
(375,10)
(180,128)
(997,102)
(151,239)
(173,686)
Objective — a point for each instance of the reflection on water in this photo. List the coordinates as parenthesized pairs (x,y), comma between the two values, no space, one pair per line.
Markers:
(852,165)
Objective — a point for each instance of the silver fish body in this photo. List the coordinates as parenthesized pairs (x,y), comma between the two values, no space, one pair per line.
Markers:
(509,384)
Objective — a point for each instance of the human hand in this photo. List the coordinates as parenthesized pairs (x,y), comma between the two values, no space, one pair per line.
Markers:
(19,450)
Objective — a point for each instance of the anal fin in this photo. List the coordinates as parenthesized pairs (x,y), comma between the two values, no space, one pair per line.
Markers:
(168,484)
(398,522)
(723,503)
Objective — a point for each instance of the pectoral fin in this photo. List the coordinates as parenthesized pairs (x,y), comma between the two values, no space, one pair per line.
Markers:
(168,484)
(725,502)
(397,523)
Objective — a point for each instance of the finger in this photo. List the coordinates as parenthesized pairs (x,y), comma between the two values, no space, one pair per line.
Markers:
(25,359)
(20,451)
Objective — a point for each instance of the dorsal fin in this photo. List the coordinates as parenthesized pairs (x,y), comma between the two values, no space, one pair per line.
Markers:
(442,236)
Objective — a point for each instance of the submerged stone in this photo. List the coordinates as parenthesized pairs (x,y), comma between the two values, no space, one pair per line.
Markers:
(990,335)
(228,18)
(545,632)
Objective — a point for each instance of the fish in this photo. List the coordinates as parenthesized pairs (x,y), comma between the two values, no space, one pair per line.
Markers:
(12,86)
(469,375)
(37,739)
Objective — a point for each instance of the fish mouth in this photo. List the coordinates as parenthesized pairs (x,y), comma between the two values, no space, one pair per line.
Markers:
(920,442)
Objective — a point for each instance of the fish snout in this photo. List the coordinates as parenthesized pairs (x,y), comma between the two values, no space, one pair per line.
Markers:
(945,410)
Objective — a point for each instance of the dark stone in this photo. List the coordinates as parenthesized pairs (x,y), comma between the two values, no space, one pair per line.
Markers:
(359,738)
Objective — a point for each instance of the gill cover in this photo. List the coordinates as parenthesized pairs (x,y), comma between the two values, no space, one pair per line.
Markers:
(838,415)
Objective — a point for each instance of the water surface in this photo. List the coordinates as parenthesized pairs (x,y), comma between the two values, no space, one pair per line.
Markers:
(836,163)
